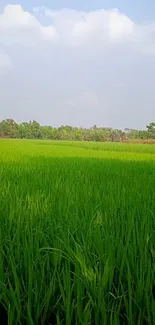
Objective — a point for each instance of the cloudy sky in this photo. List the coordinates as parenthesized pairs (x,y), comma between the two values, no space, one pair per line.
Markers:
(78,62)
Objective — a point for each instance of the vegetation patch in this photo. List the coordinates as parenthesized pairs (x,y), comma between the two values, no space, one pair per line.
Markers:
(77,233)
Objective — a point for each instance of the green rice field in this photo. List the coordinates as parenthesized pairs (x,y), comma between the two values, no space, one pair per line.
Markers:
(77,233)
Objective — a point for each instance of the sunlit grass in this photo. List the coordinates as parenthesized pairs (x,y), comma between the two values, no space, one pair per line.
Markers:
(77,233)
(30,148)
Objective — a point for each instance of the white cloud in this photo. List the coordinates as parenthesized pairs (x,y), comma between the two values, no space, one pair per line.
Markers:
(76,67)
(19,26)
(101,28)
(14,16)
(102,25)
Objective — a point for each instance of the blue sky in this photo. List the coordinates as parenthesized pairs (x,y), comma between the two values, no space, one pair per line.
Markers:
(139,10)
(92,63)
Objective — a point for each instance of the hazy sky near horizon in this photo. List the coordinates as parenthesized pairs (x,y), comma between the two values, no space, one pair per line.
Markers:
(78,62)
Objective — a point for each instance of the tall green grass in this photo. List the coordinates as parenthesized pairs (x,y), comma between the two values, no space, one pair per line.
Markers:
(77,234)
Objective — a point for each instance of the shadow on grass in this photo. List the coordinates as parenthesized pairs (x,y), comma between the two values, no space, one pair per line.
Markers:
(3,316)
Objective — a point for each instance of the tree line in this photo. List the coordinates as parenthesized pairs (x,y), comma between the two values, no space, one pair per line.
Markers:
(33,130)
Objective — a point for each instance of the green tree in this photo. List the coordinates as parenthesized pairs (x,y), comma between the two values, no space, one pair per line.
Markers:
(36,130)
(151,130)
(33,130)
(9,128)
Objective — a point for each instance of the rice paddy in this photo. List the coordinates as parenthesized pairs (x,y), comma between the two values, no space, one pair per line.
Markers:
(77,233)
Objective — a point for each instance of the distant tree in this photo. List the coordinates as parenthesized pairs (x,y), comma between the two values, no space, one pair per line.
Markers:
(151,130)
(115,135)
(9,128)
(36,130)
(151,126)
(33,130)
(78,134)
